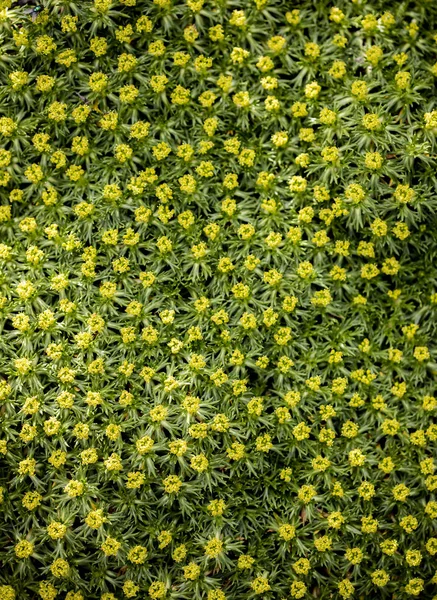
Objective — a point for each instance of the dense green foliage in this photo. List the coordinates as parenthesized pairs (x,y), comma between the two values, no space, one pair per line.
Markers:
(218,300)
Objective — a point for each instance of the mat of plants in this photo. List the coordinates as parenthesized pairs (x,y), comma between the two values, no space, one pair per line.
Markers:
(218,299)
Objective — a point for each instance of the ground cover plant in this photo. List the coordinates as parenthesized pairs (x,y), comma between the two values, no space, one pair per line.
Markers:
(218,299)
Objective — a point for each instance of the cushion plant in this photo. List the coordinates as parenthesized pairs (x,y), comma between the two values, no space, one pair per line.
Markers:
(218,299)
